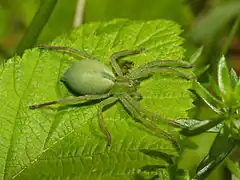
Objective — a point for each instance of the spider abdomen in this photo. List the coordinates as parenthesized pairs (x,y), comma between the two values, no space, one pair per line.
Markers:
(89,77)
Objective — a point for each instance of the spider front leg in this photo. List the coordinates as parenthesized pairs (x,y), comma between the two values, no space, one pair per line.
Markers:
(106,102)
(133,107)
(71,100)
(157,66)
(68,50)
(146,72)
(103,104)
(167,63)
(117,55)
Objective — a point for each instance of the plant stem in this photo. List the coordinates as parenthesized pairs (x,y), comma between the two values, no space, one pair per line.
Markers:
(231,36)
(40,19)
(78,19)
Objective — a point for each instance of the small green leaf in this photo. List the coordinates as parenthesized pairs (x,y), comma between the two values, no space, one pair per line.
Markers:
(222,146)
(234,78)
(201,70)
(224,81)
(212,84)
(237,91)
(201,127)
(222,143)
(211,101)
(188,123)
(233,167)
(193,59)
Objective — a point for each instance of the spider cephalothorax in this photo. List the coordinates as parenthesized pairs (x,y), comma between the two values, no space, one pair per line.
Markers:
(96,81)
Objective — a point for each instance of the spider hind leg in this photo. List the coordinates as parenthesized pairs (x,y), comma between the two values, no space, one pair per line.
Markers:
(133,107)
(105,103)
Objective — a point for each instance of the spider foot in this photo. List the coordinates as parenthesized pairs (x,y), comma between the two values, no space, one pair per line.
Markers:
(140,50)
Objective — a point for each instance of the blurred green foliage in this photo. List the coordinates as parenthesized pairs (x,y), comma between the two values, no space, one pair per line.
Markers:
(176,10)
(205,22)
(15,16)
(61,21)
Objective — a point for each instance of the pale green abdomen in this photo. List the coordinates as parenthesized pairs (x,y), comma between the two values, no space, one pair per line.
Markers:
(89,77)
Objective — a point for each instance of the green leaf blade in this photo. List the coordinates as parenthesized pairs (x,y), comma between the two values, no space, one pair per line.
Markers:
(67,141)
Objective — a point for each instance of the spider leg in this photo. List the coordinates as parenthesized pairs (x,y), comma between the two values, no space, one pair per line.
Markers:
(136,95)
(167,63)
(146,72)
(151,115)
(156,116)
(71,100)
(117,55)
(144,112)
(129,104)
(68,50)
(103,104)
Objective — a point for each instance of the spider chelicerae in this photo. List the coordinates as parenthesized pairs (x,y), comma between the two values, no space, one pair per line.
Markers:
(96,81)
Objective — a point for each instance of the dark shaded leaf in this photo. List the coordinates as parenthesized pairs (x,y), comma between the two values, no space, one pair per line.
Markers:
(201,127)
(222,146)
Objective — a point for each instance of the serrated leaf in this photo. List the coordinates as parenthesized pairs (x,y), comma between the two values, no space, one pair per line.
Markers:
(66,141)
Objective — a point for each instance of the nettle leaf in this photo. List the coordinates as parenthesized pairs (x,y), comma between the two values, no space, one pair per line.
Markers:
(66,141)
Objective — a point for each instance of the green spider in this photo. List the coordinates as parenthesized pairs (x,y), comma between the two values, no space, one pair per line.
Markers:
(96,81)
